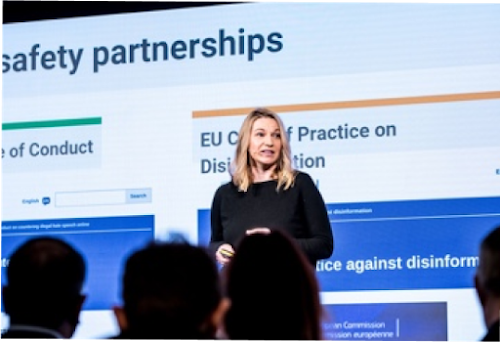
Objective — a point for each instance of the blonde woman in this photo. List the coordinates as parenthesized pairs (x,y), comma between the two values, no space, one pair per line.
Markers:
(266,193)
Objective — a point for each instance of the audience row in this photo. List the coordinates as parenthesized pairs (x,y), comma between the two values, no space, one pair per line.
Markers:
(175,291)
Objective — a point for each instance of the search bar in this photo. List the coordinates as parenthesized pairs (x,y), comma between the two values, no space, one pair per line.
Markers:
(102,197)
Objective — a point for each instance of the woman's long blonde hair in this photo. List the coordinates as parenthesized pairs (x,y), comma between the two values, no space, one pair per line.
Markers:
(241,166)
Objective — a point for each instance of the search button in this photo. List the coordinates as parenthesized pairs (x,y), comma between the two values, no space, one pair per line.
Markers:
(138,195)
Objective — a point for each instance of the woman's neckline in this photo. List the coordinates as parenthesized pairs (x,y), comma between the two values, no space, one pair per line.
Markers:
(265,181)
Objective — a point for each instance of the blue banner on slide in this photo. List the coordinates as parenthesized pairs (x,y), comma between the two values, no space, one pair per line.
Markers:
(418,244)
(204,227)
(425,244)
(386,322)
(105,242)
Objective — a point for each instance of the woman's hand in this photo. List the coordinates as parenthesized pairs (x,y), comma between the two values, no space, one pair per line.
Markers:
(224,253)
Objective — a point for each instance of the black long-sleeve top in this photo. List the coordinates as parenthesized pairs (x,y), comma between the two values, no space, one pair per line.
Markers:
(300,211)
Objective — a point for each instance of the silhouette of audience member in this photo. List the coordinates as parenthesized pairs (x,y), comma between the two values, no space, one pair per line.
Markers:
(170,291)
(43,292)
(487,282)
(273,291)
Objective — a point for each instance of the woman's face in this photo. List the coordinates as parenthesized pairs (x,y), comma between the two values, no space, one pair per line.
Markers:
(265,142)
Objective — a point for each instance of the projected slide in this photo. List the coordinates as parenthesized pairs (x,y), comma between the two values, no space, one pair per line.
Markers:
(50,145)
(386,322)
(113,137)
(105,241)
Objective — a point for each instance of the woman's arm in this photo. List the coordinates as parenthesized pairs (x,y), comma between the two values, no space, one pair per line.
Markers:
(320,244)
(216,236)
(217,243)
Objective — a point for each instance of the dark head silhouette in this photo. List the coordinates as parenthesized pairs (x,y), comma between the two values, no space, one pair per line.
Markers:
(273,291)
(170,291)
(487,282)
(44,282)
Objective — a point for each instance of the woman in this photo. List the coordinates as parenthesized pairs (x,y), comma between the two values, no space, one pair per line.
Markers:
(265,191)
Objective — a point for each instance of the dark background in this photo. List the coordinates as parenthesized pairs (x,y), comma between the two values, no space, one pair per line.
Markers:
(22,11)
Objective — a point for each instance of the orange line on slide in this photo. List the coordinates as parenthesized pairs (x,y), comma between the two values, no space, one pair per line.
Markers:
(398,101)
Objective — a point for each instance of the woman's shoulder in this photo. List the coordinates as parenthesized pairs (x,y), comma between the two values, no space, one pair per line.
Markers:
(226,188)
(302,178)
